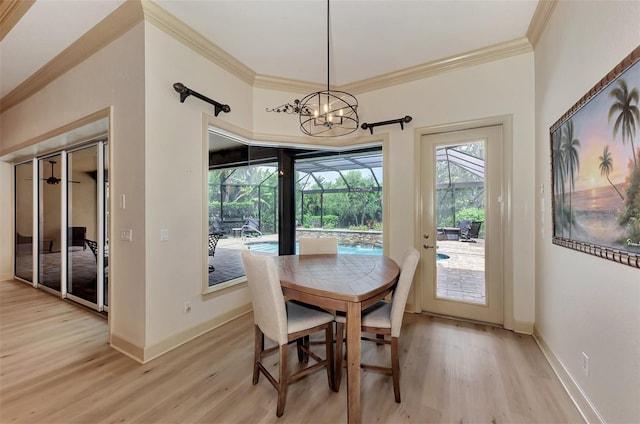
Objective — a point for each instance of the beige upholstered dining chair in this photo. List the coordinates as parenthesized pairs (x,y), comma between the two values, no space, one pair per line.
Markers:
(283,322)
(383,319)
(318,245)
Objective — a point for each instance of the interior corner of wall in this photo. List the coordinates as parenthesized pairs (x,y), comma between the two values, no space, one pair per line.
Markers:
(523,327)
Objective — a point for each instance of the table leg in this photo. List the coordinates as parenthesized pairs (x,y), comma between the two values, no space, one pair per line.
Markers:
(353,362)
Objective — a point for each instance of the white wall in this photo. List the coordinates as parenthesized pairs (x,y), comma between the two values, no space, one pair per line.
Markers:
(175,180)
(584,303)
(113,77)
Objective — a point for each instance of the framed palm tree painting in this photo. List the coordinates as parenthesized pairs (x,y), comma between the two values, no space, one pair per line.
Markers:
(595,166)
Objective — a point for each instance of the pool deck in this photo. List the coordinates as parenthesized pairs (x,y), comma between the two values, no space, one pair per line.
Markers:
(461,277)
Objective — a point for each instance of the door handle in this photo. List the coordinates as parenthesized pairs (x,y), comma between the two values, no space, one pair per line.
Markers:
(427,247)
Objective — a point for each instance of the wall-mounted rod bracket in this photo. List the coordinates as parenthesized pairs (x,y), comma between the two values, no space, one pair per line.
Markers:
(400,121)
(186,92)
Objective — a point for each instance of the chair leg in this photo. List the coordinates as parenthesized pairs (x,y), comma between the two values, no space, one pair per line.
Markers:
(257,353)
(282,381)
(339,343)
(329,356)
(299,350)
(303,341)
(395,368)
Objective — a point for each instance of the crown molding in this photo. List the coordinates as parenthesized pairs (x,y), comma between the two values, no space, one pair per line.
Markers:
(109,29)
(539,20)
(460,61)
(11,11)
(286,84)
(174,27)
(464,60)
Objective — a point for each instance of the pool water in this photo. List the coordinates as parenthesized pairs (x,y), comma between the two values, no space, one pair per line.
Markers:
(342,249)
(272,247)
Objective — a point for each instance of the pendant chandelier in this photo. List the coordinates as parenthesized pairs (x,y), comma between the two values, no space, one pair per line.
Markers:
(328,113)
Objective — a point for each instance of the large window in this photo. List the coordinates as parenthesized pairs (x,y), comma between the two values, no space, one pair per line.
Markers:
(337,193)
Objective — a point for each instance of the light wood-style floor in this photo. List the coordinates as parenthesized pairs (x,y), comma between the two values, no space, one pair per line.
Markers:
(56,367)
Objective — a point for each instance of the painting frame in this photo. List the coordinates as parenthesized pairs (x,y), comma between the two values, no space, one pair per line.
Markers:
(595,168)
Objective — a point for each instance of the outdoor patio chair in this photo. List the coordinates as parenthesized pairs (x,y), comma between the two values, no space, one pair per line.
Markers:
(217,227)
(93,246)
(471,232)
(383,319)
(213,242)
(464,225)
(284,323)
(251,228)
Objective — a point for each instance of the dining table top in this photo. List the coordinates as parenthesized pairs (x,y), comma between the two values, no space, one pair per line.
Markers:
(351,278)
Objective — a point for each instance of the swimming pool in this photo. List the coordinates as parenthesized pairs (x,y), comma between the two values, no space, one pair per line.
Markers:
(266,246)
(272,246)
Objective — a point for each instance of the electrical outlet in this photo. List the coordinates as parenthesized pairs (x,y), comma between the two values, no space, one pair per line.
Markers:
(186,307)
(585,363)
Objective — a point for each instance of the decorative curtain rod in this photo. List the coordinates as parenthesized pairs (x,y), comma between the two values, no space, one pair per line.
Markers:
(400,121)
(186,92)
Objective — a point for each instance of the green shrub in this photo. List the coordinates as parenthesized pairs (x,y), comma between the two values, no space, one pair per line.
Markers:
(471,214)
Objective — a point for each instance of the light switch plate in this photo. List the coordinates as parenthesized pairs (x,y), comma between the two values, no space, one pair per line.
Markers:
(126,235)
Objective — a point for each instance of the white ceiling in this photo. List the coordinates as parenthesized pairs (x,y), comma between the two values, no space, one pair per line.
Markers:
(287,38)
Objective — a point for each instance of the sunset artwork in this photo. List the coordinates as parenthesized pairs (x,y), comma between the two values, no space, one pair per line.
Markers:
(595,156)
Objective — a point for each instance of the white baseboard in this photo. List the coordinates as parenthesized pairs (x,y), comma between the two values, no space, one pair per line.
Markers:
(176,340)
(144,355)
(575,392)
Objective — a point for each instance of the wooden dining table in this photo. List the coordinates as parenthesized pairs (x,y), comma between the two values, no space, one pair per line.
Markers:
(348,283)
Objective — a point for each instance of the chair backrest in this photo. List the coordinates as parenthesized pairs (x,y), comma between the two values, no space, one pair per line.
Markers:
(318,245)
(464,225)
(474,230)
(93,246)
(400,294)
(269,311)
(253,223)
(213,242)
(216,226)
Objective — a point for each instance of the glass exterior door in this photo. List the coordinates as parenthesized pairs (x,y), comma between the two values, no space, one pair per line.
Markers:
(61,214)
(82,224)
(462,247)
(24,221)
(49,218)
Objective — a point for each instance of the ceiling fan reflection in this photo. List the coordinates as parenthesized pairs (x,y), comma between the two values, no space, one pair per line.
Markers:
(53,180)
